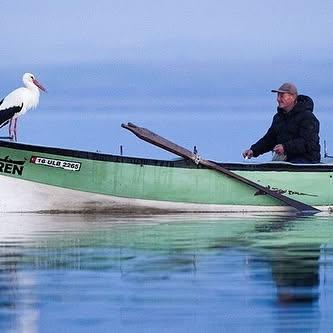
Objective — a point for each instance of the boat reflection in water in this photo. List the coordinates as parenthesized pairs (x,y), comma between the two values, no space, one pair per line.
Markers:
(295,263)
(151,272)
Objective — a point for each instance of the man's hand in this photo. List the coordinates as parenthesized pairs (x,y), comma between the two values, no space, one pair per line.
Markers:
(248,153)
(279,149)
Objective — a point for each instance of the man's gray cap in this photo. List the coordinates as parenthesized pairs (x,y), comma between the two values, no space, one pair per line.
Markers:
(287,88)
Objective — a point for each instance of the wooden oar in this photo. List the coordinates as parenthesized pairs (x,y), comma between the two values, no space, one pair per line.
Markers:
(161,142)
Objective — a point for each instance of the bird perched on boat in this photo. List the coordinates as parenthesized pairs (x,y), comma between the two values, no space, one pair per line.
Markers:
(18,102)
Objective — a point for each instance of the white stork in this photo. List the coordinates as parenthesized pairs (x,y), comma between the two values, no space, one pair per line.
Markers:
(19,101)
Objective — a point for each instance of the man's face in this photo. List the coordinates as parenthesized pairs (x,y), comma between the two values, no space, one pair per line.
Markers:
(286,101)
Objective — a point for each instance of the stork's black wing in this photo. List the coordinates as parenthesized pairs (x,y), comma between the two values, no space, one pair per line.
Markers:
(7,114)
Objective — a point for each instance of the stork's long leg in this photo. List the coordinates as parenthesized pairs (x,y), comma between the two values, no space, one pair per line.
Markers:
(15,126)
(10,127)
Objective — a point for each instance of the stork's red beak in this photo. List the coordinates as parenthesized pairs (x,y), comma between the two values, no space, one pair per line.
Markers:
(38,85)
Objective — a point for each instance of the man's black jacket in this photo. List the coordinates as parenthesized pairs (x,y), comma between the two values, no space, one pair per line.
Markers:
(297,130)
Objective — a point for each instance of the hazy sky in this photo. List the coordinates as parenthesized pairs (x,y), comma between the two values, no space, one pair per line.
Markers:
(206,47)
(173,54)
(213,31)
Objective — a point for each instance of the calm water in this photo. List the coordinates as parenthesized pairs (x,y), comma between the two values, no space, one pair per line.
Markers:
(72,273)
(218,135)
(161,274)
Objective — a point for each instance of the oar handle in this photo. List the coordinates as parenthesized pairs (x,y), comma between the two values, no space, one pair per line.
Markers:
(153,138)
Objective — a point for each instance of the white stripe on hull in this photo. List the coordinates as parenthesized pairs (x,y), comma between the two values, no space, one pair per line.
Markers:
(17,195)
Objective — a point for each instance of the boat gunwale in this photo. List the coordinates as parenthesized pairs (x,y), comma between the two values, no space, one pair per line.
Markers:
(176,163)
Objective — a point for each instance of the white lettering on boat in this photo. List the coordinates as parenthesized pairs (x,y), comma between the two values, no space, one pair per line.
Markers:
(67,165)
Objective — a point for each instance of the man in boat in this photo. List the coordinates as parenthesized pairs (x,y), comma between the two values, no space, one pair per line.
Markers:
(294,133)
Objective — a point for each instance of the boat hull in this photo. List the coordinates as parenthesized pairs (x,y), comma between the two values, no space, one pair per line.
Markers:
(46,179)
(31,197)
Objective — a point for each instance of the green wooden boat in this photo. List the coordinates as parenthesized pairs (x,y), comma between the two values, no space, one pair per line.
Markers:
(47,179)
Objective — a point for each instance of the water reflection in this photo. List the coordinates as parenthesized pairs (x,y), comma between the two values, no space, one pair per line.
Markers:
(295,265)
(181,272)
